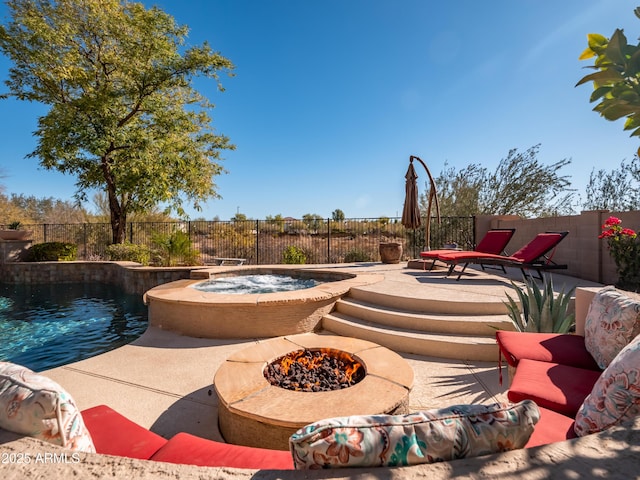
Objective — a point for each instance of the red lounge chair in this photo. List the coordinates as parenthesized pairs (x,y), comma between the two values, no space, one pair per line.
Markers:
(534,255)
(495,241)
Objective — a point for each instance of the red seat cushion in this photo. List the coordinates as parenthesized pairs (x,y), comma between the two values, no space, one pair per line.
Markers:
(191,450)
(552,427)
(114,434)
(436,253)
(560,388)
(564,349)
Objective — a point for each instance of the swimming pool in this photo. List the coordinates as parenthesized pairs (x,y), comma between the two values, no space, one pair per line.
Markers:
(45,326)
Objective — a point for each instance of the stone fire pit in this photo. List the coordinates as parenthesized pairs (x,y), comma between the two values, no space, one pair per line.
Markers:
(255,413)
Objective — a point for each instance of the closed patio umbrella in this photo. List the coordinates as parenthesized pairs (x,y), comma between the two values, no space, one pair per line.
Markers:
(411,211)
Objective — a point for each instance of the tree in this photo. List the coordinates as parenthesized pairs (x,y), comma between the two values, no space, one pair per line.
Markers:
(617,190)
(239,217)
(616,82)
(337,215)
(124,116)
(312,221)
(47,210)
(520,185)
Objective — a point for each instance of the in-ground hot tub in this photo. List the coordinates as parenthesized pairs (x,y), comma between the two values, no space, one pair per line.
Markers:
(179,307)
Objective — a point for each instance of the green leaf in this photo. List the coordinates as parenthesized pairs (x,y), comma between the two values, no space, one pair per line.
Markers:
(616,48)
(599,92)
(618,110)
(603,77)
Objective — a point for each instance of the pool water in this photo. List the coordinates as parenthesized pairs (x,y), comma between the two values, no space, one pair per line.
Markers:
(45,326)
(263,283)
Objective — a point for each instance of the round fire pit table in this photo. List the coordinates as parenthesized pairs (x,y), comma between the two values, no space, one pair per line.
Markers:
(254,413)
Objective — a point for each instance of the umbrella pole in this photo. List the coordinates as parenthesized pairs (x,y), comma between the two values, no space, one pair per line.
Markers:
(433,197)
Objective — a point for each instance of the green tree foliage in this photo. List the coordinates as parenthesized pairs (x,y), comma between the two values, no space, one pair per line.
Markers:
(337,215)
(31,209)
(616,190)
(124,117)
(520,185)
(239,217)
(616,82)
(312,221)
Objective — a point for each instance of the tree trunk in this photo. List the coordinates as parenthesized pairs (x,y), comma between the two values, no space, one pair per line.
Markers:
(118,218)
(117,210)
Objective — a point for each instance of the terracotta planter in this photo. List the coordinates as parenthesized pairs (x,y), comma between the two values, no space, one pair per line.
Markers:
(15,234)
(390,252)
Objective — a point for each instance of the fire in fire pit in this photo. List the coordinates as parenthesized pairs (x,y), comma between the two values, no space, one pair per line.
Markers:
(315,370)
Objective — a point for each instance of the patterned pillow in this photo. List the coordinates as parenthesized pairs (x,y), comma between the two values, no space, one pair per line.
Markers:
(423,437)
(613,320)
(615,397)
(34,405)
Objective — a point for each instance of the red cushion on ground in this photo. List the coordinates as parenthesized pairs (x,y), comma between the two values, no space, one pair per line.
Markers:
(564,349)
(114,434)
(191,450)
(560,388)
(552,427)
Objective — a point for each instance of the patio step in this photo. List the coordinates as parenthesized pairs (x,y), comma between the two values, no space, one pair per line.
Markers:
(444,335)
(484,325)
(436,302)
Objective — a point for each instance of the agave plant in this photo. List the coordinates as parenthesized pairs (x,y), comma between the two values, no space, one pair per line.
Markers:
(542,310)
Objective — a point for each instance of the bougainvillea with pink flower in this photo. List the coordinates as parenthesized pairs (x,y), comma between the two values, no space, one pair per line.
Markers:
(625,251)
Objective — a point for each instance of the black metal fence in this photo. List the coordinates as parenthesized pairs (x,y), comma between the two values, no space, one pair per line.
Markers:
(263,242)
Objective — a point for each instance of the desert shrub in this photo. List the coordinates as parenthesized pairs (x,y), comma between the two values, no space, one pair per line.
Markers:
(53,252)
(357,255)
(129,252)
(173,249)
(293,255)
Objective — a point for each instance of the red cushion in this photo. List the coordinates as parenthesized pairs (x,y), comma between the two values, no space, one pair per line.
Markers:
(495,241)
(560,388)
(188,449)
(114,434)
(435,253)
(541,244)
(552,427)
(564,349)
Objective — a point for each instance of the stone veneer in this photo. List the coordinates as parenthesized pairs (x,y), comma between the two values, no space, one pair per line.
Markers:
(130,276)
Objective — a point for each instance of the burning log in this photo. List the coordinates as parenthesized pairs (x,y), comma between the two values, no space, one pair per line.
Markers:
(315,370)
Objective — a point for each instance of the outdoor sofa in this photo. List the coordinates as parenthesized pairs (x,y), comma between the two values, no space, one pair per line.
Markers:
(585,382)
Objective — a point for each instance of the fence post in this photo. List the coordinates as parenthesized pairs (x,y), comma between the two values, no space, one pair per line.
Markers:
(328,240)
(257,242)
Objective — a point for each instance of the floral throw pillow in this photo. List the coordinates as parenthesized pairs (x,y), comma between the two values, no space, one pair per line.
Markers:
(615,397)
(423,437)
(613,320)
(34,405)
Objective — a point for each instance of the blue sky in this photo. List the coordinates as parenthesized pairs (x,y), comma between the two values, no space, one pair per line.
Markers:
(330,98)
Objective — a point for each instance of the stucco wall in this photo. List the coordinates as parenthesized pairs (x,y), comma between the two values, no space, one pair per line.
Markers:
(587,256)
